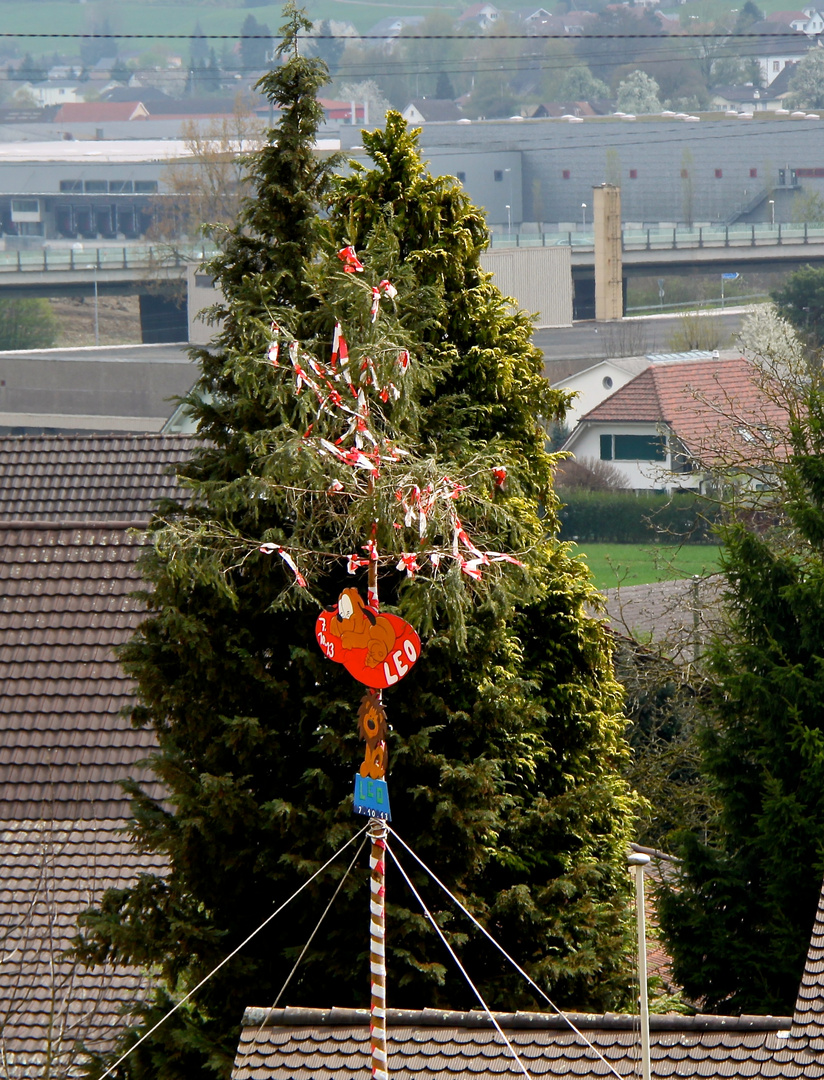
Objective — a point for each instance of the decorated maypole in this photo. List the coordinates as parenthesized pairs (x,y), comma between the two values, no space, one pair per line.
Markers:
(349,434)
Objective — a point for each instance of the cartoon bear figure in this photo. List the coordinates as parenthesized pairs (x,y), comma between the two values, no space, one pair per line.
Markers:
(372,727)
(358,627)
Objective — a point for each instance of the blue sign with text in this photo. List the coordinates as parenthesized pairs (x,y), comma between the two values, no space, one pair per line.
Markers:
(372,798)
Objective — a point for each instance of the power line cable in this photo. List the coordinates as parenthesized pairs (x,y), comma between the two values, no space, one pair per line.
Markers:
(779,35)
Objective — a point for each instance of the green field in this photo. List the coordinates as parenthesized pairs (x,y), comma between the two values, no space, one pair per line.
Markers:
(635,564)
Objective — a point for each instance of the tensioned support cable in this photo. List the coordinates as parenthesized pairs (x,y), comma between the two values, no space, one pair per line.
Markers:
(506,955)
(461,968)
(310,939)
(233,953)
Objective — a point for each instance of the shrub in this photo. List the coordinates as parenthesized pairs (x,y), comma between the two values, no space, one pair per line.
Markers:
(623,518)
(27,324)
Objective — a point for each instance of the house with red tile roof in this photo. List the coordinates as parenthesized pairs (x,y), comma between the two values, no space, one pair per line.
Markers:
(678,425)
(98,112)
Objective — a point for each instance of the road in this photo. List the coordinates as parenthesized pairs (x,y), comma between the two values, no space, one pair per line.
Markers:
(565,349)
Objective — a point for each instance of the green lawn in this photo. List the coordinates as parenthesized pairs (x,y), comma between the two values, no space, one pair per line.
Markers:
(641,564)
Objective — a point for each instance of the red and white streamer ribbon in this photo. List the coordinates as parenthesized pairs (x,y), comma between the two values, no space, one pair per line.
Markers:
(409,563)
(350,260)
(274,549)
(386,288)
(354,562)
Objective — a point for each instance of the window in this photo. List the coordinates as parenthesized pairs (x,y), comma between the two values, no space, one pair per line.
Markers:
(719,173)
(753,173)
(145,187)
(71,185)
(633,174)
(120,187)
(633,448)
(606,382)
(565,174)
(95,187)
(26,210)
(498,175)
(204,281)
(461,177)
(776,65)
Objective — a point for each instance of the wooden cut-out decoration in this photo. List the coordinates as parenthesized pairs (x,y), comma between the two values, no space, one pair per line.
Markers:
(377,649)
(372,727)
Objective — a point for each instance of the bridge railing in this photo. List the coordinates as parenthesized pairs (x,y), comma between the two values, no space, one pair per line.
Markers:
(673,237)
(109,257)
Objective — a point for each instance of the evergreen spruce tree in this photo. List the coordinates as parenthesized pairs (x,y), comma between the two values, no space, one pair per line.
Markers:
(738,921)
(506,749)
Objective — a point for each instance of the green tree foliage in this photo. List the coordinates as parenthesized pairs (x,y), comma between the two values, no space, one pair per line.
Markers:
(747,15)
(506,752)
(579,84)
(808,206)
(27,324)
(739,924)
(328,47)
(801,303)
(255,44)
(807,82)
(664,710)
(638,93)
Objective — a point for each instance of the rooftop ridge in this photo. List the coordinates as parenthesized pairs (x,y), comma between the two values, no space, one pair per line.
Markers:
(87,524)
(441,1018)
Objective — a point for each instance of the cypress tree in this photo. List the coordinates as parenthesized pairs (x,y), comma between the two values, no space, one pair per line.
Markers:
(506,749)
(739,918)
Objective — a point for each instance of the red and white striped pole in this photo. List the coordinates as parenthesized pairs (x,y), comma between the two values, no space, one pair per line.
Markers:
(377,949)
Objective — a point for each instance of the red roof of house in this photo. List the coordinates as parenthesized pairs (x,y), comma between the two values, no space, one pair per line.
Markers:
(92,112)
(715,407)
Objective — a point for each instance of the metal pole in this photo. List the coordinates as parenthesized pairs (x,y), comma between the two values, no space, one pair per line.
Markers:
(96,314)
(377,949)
(638,861)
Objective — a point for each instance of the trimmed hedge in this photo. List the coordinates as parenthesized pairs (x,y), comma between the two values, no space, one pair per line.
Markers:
(623,518)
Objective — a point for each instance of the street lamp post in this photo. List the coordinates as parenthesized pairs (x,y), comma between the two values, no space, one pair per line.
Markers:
(637,861)
(772,213)
(583,215)
(508,209)
(93,268)
(96,309)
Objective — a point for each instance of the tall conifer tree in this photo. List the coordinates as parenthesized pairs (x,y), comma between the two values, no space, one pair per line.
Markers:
(507,733)
(738,921)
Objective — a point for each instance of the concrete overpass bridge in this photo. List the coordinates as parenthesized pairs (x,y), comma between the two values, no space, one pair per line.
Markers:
(86,270)
(649,251)
(80,269)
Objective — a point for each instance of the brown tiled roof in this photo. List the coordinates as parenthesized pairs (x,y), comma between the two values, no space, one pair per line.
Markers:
(808,1019)
(64,607)
(51,872)
(716,407)
(299,1044)
(88,477)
